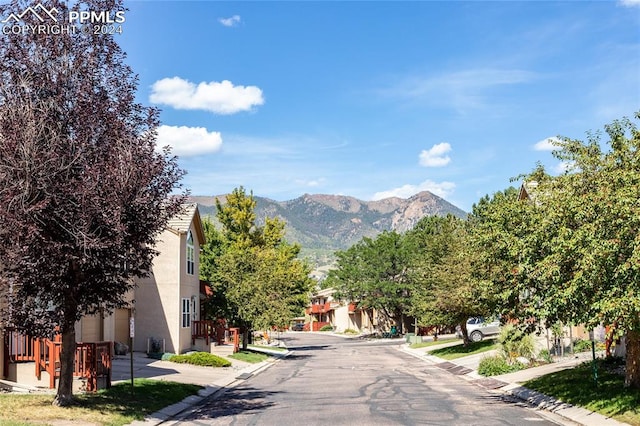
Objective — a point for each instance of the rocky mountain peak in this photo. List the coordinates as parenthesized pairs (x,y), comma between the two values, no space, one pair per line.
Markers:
(324,223)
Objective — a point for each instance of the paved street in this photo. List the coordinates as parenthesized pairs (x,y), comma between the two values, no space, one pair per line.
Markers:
(328,380)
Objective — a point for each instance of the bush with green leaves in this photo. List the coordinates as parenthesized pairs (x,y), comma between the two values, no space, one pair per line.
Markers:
(515,343)
(496,365)
(201,358)
(581,345)
(350,331)
(326,328)
(545,356)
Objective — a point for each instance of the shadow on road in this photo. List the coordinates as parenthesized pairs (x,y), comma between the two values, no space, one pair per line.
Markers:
(295,356)
(308,348)
(240,400)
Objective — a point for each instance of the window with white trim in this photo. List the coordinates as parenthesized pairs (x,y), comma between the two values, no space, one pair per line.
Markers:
(190,254)
(186,313)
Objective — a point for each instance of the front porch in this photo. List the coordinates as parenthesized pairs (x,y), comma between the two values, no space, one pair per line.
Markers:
(213,336)
(36,362)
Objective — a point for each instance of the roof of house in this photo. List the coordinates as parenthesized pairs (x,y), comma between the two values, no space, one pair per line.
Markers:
(527,190)
(181,222)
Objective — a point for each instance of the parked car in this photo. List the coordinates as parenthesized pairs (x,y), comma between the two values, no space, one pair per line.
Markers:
(297,327)
(478,328)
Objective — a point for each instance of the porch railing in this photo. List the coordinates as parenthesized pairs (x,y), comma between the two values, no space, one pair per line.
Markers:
(92,360)
(203,329)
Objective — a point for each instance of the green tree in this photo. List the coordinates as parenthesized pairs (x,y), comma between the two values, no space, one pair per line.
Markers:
(83,192)
(216,306)
(263,282)
(591,214)
(374,273)
(506,251)
(445,288)
(570,252)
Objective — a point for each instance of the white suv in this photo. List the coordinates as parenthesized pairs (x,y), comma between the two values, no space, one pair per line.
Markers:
(478,329)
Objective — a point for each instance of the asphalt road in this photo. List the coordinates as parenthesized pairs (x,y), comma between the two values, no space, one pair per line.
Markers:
(329,380)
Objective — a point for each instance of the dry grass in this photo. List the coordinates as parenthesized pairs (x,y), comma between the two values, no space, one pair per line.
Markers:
(115,406)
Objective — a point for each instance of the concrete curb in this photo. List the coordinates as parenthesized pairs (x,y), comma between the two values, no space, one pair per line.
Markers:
(535,399)
(567,411)
(168,415)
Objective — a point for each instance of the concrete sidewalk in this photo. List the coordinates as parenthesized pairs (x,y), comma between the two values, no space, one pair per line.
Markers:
(511,384)
(212,379)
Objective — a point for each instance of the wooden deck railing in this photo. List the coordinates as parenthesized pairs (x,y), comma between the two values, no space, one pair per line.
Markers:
(203,329)
(92,360)
(19,347)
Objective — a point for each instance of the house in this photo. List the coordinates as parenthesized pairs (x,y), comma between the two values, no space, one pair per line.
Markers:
(168,300)
(164,304)
(162,307)
(325,310)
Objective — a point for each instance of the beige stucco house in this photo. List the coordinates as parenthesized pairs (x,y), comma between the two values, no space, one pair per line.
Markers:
(164,304)
(161,308)
(168,300)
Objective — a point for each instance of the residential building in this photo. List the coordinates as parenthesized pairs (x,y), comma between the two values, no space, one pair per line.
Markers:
(162,307)
(324,309)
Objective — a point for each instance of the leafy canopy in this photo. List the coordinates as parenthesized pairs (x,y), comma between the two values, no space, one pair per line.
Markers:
(256,275)
(83,191)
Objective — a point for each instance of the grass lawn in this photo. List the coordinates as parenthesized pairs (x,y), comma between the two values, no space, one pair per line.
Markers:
(114,407)
(249,356)
(458,351)
(432,343)
(575,386)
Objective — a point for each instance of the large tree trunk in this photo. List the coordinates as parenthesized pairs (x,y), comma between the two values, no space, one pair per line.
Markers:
(632,341)
(64,396)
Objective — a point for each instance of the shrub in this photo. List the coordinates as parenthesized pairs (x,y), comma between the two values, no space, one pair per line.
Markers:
(350,331)
(167,356)
(326,328)
(516,343)
(496,365)
(201,358)
(545,356)
(580,345)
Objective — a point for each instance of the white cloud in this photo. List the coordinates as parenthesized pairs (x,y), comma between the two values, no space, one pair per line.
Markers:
(316,182)
(548,144)
(230,22)
(188,141)
(218,97)
(630,3)
(435,156)
(441,189)
(564,166)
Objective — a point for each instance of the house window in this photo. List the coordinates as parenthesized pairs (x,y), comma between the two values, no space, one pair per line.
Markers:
(190,254)
(186,313)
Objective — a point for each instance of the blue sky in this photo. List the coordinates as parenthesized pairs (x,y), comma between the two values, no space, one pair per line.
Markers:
(377,99)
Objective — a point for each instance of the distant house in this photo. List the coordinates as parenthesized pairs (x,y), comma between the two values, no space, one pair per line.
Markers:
(324,310)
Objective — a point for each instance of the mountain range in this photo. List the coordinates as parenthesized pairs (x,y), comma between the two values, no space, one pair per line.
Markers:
(322,224)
